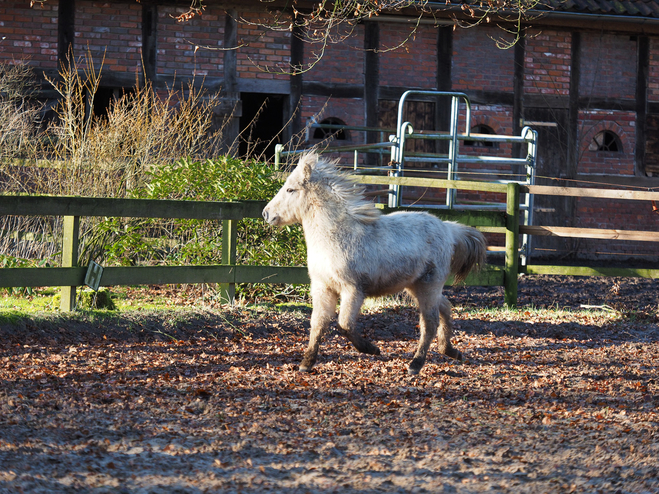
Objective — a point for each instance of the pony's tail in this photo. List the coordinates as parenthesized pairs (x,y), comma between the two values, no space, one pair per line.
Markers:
(469,251)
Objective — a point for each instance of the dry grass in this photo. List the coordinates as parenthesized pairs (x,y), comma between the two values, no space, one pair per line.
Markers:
(83,154)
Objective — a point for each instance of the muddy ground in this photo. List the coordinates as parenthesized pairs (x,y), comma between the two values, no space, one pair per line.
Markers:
(211,400)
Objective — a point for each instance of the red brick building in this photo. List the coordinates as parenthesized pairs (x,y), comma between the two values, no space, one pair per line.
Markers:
(586,74)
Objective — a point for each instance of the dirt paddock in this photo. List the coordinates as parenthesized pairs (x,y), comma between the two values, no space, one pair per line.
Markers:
(211,400)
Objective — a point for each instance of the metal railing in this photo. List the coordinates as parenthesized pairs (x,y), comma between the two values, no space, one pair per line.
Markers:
(400,156)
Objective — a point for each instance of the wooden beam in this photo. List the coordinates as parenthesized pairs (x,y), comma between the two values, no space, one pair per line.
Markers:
(229,237)
(134,208)
(311,88)
(371,91)
(65,31)
(601,233)
(444,83)
(518,95)
(431,182)
(632,195)
(154,275)
(573,110)
(511,262)
(642,74)
(589,271)
(149,40)
(296,80)
(70,244)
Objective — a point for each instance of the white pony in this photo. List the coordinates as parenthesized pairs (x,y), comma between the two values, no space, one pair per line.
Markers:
(354,253)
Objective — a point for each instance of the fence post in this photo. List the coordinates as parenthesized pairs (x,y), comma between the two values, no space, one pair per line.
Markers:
(70,240)
(228,290)
(512,244)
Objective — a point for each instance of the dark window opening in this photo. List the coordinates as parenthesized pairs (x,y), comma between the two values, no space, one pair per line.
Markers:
(261,124)
(606,141)
(324,132)
(104,98)
(482,129)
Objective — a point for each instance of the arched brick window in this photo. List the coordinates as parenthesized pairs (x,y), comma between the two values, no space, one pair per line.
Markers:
(482,129)
(606,140)
(338,134)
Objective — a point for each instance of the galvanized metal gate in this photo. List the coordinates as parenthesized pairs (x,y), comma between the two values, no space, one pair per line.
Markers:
(451,161)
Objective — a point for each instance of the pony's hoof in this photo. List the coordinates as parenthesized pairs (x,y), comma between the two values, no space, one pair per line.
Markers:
(307,364)
(415,367)
(454,354)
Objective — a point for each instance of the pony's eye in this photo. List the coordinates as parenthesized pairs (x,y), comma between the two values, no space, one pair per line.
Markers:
(290,191)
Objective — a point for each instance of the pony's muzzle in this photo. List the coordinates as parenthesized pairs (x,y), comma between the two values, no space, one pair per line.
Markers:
(268,218)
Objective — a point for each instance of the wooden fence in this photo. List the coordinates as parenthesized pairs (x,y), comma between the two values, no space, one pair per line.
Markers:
(69,275)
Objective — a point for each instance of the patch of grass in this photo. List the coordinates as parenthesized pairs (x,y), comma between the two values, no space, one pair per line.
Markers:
(532,313)
(41,299)
(12,317)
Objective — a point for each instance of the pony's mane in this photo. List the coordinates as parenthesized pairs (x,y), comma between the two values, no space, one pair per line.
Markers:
(345,188)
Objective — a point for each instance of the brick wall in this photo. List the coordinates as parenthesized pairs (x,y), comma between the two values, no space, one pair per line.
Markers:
(412,65)
(623,124)
(653,72)
(30,35)
(349,110)
(263,54)
(478,64)
(341,62)
(608,66)
(547,63)
(110,30)
(193,47)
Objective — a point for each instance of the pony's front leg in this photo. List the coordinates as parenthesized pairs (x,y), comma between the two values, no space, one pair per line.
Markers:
(324,308)
(351,304)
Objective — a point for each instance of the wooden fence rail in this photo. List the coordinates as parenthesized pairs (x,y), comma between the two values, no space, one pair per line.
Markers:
(506,222)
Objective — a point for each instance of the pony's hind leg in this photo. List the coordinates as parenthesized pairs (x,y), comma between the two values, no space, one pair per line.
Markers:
(434,312)
(446,330)
(428,322)
(324,308)
(351,303)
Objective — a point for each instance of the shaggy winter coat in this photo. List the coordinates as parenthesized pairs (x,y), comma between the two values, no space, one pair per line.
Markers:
(354,252)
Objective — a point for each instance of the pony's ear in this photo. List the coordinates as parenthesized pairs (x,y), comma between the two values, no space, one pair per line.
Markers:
(307,164)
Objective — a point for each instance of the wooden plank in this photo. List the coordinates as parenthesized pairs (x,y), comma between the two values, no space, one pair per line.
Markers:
(66,12)
(602,233)
(633,195)
(134,275)
(170,275)
(642,77)
(149,40)
(144,208)
(371,82)
(228,290)
(431,182)
(512,245)
(22,277)
(589,271)
(272,274)
(154,275)
(167,275)
(70,245)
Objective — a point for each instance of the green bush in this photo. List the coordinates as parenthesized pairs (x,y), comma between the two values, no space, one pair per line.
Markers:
(199,242)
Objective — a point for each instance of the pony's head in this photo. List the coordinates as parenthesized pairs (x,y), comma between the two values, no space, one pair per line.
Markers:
(317,183)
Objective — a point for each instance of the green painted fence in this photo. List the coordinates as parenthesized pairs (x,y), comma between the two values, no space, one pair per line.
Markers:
(70,276)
